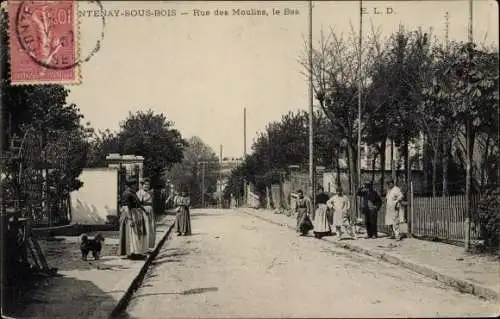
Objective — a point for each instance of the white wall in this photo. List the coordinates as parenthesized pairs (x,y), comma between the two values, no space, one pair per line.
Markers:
(97,198)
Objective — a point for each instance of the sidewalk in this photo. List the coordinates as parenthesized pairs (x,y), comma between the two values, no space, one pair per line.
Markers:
(478,275)
(89,289)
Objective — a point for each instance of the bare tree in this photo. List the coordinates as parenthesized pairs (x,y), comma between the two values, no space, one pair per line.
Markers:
(335,75)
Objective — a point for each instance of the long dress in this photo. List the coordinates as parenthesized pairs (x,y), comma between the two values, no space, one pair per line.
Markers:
(132,227)
(183,217)
(146,199)
(321,224)
(340,206)
(303,210)
(393,212)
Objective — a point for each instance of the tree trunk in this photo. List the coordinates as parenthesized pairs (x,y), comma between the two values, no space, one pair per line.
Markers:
(393,166)
(406,155)
(374,162)
(425,163)
(468,179)
(484,166)
(46,189)
(382,165)
(354,168)
(337,164)
(446,152)
(434,171)
(350,170)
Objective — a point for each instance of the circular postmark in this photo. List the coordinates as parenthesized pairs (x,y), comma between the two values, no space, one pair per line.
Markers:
(45,28)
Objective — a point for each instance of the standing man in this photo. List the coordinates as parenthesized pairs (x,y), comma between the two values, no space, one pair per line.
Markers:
(370,205)
(394,213)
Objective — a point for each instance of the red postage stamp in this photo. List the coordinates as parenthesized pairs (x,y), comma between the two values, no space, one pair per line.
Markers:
(43,42)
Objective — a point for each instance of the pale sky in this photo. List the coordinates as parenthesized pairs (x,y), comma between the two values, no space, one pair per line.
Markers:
(202,71)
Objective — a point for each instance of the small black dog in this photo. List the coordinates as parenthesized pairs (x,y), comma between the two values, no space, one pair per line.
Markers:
(93,245)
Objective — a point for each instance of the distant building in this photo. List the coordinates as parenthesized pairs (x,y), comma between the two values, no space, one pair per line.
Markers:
(367,154)
(227,166)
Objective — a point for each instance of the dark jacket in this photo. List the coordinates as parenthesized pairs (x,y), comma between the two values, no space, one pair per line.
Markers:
(371,201)
(322,198)
(130,199)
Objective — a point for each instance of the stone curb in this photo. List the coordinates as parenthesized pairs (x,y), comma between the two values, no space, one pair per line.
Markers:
(461,285)
(135,284)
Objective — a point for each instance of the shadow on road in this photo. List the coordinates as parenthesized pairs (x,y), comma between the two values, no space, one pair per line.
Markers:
(55,297)
(196,214)
(193,291)
(173,252)
(169,256)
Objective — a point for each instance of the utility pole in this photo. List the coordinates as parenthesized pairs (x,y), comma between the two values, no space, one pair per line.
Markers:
(220,177)
(312,173)
(244,133)
(468,173)
(203,184)
(446,28)
(360,87)
(245,190)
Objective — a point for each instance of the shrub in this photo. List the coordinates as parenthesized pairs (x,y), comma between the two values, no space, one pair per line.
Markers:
(488,218)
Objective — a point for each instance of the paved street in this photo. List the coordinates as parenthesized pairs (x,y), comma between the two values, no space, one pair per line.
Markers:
(236,265)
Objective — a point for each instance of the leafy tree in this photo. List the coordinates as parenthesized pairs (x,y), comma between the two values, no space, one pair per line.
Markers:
(153,137)
(101,144)
(435,113)
(188,173)
(41,112)
(284,143)
(487,218)
(247,171)
(408,58)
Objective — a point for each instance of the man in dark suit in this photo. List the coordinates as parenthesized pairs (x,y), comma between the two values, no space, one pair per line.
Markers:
(370,205)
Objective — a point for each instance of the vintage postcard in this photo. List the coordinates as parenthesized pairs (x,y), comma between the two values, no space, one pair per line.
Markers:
(249,159)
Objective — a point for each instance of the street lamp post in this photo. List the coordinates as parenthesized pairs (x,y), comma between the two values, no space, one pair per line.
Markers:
(360,87)
(468,174)
(312,173)
(202,183)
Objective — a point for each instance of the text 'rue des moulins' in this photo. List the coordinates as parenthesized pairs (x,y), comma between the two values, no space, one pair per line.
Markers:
(245,12)
(277,11)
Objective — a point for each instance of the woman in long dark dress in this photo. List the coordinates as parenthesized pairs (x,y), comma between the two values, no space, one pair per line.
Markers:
(303,210)
(132,226)
(321,223)
(183,217)
(146,197)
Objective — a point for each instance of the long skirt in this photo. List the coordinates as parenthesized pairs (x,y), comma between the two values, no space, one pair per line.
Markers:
(131,241)
(151,227)
(339,217)
(183,221)
(393,215)
(321,224)
(304,224)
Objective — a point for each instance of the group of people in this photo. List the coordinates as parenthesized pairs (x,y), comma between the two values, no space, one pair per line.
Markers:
(333,214)
(137,219)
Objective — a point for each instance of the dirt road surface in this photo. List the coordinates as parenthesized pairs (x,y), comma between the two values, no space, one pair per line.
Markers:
(235,265)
